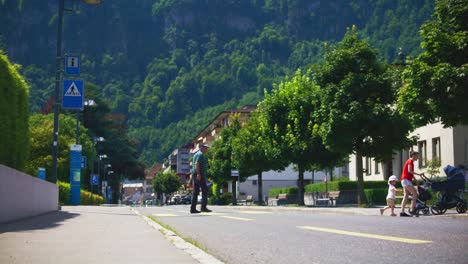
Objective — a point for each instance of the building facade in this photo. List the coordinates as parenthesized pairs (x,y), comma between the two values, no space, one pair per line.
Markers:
(449,145)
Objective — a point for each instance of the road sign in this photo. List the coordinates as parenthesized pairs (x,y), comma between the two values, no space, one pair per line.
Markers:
(83,162)
(73,94)
(94,179)
(41,173)
(72,64)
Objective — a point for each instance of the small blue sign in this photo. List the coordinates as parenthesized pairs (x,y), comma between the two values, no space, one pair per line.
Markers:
(94,179)
(83,162)
(73,94)
(72,64)
(75,174)
(41,173)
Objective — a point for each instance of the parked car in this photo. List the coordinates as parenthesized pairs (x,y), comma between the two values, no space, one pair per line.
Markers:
(175,199)
(186,199)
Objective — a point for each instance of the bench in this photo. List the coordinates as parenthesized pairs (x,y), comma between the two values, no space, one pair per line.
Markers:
(245,199)
(278,200)
(330,198)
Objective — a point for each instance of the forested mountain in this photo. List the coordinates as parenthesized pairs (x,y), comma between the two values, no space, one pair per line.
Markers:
(170,66)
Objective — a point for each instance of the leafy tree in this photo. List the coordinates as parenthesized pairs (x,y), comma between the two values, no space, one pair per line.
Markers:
(41,146)
(220,156)
(14,115)
(437,81)
(289,123)
(166,182)
(357,113)
(249,150)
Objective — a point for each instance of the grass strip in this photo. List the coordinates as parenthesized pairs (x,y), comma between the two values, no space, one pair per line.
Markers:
(185,238)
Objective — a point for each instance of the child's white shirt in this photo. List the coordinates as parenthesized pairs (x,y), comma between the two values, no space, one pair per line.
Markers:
(391,192)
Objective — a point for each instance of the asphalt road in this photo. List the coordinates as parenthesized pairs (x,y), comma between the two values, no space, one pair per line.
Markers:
(236,236)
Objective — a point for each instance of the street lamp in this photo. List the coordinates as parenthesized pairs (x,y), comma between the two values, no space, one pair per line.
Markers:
(89,103)
(58,78)
(95,141)
(102,156)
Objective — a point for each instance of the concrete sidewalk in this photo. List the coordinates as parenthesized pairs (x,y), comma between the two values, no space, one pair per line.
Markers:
(87,235)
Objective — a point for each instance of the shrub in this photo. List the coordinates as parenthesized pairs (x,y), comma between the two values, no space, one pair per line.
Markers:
(287,190)
(376,196)
(223,199)
(346,186)
(87,198)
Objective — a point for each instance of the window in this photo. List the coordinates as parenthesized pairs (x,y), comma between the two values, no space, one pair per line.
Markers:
(422,153)
(377,168)
(436,148)
(368,166)
(254,182)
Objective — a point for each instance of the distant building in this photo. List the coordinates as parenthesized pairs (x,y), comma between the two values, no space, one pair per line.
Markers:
(450,145)
(286,178)
(213,130)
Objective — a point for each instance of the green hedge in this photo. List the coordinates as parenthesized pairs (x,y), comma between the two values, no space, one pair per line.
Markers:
(87,198)
(346,186)
(376,196)
(287,190)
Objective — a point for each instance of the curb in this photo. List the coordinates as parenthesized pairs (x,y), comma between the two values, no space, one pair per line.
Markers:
(193,251)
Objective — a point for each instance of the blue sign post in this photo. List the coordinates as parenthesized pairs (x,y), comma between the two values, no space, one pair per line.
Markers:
(73,94)
(75,174)
(41,173)
(94,179)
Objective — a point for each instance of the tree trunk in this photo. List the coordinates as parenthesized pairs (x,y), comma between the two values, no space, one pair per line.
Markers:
(361,199)
(300,185)
(387,169)
(234,192)
(313,177)
(331,174)
(260,188)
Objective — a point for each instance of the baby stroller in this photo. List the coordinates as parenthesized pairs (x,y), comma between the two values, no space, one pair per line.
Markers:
(450,192)
(423,196)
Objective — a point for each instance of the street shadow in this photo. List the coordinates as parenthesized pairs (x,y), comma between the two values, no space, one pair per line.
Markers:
(44,221)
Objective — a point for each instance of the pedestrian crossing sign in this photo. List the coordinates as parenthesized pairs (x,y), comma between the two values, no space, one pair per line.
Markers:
(73,94)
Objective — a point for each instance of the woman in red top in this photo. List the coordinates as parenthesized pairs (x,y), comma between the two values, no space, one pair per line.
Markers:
(407,177)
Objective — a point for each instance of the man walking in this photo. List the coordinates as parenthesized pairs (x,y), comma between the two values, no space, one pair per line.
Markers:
(199,171)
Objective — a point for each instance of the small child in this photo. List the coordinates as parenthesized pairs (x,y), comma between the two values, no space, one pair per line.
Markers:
(392,190)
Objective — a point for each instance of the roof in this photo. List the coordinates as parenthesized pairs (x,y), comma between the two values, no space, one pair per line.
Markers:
(153,170)
(246,109)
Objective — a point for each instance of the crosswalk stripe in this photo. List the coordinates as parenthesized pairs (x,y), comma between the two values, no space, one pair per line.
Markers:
(237,218)
(367,235)
(254,212)
(164,215)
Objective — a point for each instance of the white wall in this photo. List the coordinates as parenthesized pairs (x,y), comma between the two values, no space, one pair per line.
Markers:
(453,150)
(281,179)
(22,195)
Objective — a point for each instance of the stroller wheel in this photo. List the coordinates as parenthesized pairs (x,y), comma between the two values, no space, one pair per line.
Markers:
(426,211)
(437,209)
(461,207)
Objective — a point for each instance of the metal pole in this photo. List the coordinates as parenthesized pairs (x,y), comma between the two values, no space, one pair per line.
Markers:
(99,175)
(77,126)
(92,165)
(58,77)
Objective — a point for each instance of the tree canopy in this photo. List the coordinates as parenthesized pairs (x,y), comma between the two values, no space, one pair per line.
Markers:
(357,111)
(436,82)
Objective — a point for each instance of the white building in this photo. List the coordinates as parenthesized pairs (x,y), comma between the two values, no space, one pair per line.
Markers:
(285,178)
(450,145)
